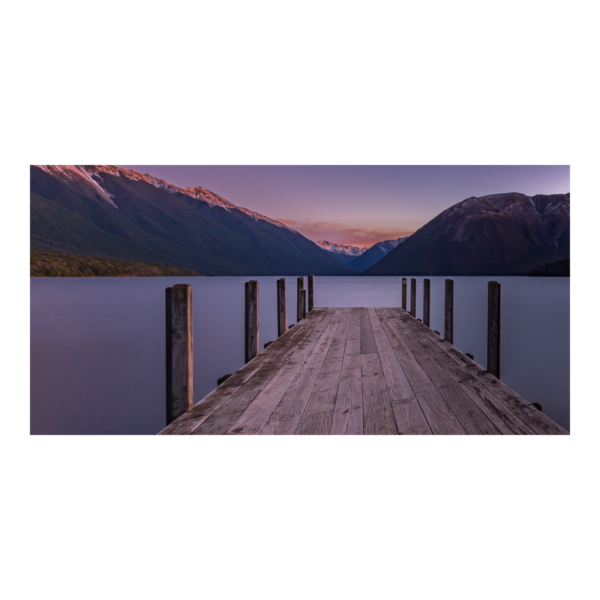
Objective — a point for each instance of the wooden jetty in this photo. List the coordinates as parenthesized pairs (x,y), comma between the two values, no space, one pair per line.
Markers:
(362,371)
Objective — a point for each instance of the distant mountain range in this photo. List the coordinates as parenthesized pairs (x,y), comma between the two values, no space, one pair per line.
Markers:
(345,254)
(500,234)
(374,254)
(119,213)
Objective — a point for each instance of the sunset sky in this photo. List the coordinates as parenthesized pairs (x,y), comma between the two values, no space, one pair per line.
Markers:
(359,205)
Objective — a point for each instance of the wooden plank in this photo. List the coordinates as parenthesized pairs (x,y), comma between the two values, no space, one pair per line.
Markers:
(440,418)
(287,414)
(494,327)
(367,341)
(317,417)
(251,320)
(409,416)
(299,311)
(311,292)
(179,351)
(353,339)
(426,301)
(504,420)
(413,297)
(469,414)
(256,412)
(348,409)
(281,307)
(449,311)
(277,351)
(228,412)
(377,408)
(528,414)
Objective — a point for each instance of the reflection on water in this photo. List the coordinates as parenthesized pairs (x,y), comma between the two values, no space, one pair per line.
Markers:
(97,345)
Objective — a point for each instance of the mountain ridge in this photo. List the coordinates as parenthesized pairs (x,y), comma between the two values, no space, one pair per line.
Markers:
(498,234)
(120,213)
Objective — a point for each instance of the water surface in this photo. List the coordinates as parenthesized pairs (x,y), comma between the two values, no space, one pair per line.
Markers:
(98,344)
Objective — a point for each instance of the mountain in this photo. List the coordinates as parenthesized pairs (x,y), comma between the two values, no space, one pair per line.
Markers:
(345,254)
(559,268)
(374,254)
(119,213)
(500,234)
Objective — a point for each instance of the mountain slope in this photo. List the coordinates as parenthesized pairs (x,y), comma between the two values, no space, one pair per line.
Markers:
(57,264)
(120,213)
(500,234)
(374,254)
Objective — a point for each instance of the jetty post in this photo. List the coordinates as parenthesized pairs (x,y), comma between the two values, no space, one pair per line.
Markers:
(449,311)
(299,311)
(413,297)
(426,301)
(311,292)
(404,293)
(281,307)
(179,350)
(494,327)
(303,303)
(251,320)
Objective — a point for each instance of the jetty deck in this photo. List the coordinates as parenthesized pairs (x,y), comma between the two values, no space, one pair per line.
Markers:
(362,371)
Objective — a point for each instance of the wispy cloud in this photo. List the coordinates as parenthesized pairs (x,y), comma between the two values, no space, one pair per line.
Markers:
(345,234)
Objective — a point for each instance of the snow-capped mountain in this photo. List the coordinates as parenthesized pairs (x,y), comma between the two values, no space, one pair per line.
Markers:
(120,213)
(344,253)
(374,254)
(92,174)
(499,234)
(341,248)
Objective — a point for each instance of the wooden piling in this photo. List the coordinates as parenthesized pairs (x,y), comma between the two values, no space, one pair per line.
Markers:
(404,293)
(311,292)
(281,307)
(179,350)
(449,311)
(303,304)
(413,297)
(299,311)
(251,320)
(426,301)
(494,327)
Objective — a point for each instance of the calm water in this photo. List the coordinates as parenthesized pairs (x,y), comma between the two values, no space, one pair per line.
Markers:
(97,345)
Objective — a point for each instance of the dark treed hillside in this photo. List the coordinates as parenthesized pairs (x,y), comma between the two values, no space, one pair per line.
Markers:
(119,213)
(560,268)
(55,264)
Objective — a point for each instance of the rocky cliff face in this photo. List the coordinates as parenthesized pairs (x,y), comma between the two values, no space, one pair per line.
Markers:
(500,234)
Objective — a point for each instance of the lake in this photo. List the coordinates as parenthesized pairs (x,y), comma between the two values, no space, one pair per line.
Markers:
(98,344)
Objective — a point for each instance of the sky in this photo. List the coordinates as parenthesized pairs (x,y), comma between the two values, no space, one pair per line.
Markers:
(359,205)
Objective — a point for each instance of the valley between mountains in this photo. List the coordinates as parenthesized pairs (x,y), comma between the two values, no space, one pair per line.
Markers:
(117,213)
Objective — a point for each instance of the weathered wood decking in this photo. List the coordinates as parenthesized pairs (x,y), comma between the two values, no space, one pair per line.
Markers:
(362,371)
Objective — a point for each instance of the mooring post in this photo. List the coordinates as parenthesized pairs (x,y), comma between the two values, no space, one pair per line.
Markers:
(404,293)
(426,301)
(494,326)
(299,311)
(311,292)
(281,307)
(413,297)
(179,350)
(303,303)
(449,311)
(251,320)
